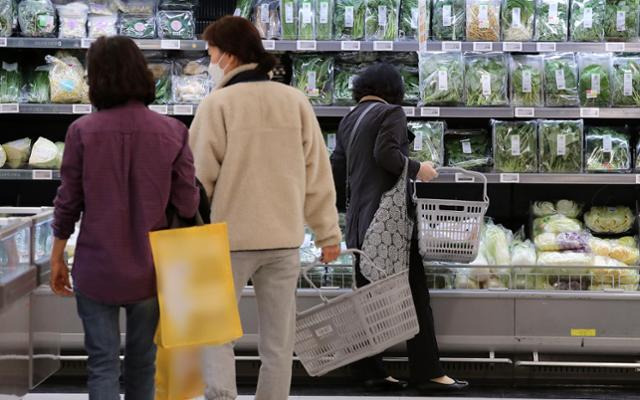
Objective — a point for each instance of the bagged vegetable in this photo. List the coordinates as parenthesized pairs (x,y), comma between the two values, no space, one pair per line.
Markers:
(243,9)
(607,150)
(307,20)
(483,20)
(441,79)
(609,219)
(497,241)
(44,154)
(60,146)
(349,19)
(266,18)
(515,146)
(17,152)
(552,20)
(37,18)
(345,76)
(314,76)
(8,13)
(517,20)
(409,19)
(562,241)
(428,142)
(560,146)
(66,79)
(523,253)
(10,83)
(142,7)
(464,280)
(561,80)
(486,80)
(526,81)
(381,19)
(289,19)
(624,249)
(594,86)
(621,20)
(555,224)
(176,25)
(104,7)
(544,209)
(411,79)
(161,71)
(568,208)
(448,21)
(102,25)
(587,20)
(324,19)
(3,157)
(37,86)
(625,85)
(72,20)
(138,26)
(568,258)
(190,82)
(469,149)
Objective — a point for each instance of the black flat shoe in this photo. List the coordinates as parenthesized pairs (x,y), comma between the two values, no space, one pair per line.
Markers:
(383,385)
(433,387)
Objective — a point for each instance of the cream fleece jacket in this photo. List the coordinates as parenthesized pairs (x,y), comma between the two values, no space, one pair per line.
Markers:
(260,154)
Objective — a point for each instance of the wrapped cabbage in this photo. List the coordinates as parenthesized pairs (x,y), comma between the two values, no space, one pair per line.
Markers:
(313,75)
(613,278)
(497,244)
(566,258)
(569,208)
(3,157)
(191,82)
(624,249)
(17,152)
(616,220)
(555,224)
(37,18)
(60,146)
(464,280)
(468,149)
(44,154)
(66,79)
(607,149)
(428,142)
(562,241)
(523,253)
(560,146)
(515,146)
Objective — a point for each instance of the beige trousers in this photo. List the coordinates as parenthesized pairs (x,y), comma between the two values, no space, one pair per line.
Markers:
(274,274)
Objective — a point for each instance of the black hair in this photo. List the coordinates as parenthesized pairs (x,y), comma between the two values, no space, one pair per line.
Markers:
(382,80)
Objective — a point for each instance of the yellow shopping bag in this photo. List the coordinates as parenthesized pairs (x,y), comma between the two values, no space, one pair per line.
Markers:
(178,374)
(196,292)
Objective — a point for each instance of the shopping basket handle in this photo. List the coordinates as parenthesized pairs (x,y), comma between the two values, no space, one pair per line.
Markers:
(458,170)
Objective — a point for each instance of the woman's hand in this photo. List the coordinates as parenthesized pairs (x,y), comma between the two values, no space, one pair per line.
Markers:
(60,283)
(330,253)
(427,172)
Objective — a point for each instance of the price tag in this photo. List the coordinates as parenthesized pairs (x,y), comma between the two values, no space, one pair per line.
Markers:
(589,113)
(451,46)
(350,46)
(170,44)
(466,146)
(583,332)
(306,45)
(638,179)
(383,46)
(430,111)
(86,43)
(561,145)
(443,80)
(42,175)
(615,47)
(606,144)
(463,178)
(81,109)
(512,46)
(545,47)
(525,112)
(482,46)
(417,142)
(3,42)
(183,109)
(509,178)
(10,108)
(409,111)
(160,109)
(515,145)
(269,44)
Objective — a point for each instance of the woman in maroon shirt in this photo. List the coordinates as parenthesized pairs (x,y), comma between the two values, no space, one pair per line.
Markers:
(122,167)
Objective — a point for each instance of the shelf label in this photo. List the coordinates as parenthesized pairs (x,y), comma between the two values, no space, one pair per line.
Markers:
(10,108)
(463,178)
(638,179)
(383,46)
(583,332)
(589,113)
(3,42)
(615,47)
(86,43)
(482,46)
(350,46)
(170,44)
(160,109)
(545,47)
(409,111)
(512,46)
(306,45)
(352,108)
(509,178)
(269,44)
(42,175)
(81,109)
(525,112)
(451,46)
(183,109)
(430,111)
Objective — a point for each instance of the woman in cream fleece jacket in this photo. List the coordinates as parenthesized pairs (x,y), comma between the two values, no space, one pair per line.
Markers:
(260,154)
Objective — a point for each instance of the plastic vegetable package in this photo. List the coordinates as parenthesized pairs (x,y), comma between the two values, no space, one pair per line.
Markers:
(518,19)
(526,81)
(102,25)
(486,80)
(66,79)
(266,18)
(44,154)
(428,142)
(568,208)
(411,79)
(555,224)
(587,20)
(243,8)
(37,18)
(568,258)
(497,244)
(3,157)
(552,20)
(161,71)
(410,17)
(307,20)
(8,13)
(515,146)
(17,152)
(72,20)
(141,7)
(613,278)
(625,85)
(176,25)
(37,85)
(345,75)
(621,20)
(468,149)
(614,220)
(594,86)
(10,83)
(561,80)
(289,19)
(324,19)
(314,76)
(441,79)
(624,249)
(607,150)
(349,19)
(138,26)
(448,20)
(560,146)
(523,253)
(483,20)
(577,241)
(381,19)
(191,82)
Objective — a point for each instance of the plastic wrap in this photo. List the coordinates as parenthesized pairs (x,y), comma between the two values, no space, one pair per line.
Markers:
(349,19)
(138,26)
(178,5)
(595,80)
(289,17)
(411,79)
(243,8)
(483,20)
(345,75)
(568,258)
(8,13)
(609,220)
(161,71)
(37,18)
(428,143)
(552,20)
(621,20)
(266,18)
(515,146)
(486,80)
(518,18)
(190,82)
(313,75)
(142,7)
(497,244)
(17,153)
(44,154)
(577,241)
(625,81)
(624,250)
(324,19)
(560,145)
(176,25)
(72,20)
(381,19)
(469,149)
(567,208)
(102,25)
(441,79)
(526,81)
(561,80)
(448,20)
(587,20)
(307,19)
(523,253)
(608,149)
(10,83)
(37,86)
(556,224)
(409,19)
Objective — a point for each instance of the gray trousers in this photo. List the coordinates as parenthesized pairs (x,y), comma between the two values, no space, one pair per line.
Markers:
(274,274)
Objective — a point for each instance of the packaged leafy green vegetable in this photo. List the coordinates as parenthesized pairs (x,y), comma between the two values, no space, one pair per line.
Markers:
(243,8)
(8,13)
(561,80)
(138,26)
(448,21)
(552,20)
(621,20)
(607,149)
(289,19)
(314,76)
(560,145)
(594,85)
(515,146)
(526,81)
(37,85)
(307,19)
(409,19)
(483,20)
(266,18)
(349,19)
(411,79)
(587,20)
(381,19)
(468,148)
(428,143)
(324,19)
(345,75)
(625,87)
(10,83)
(176,25)
(486,80)
(441,79)
(37,18)
(518,19)
(72,19)
(161,71)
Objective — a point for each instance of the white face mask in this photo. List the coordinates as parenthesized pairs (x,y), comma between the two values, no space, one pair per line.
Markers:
(216,72)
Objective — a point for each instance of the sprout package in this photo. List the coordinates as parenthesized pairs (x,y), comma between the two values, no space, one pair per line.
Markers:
(313,75)
(161,70)
(102,25)
(8,13)
(468,148)
(10,83)
(381,19)
(607,149)
(483,20)
(266,18)
(621,20)
(587,20)
(324,19)
(345,75)
(36,88)
(176,25)
(486,80)
(448,20)
(526,81)
(37,18)
(560,145)
(552,20)
(190,81)
(518,18)
(561,80)
(66,79)
(625,85)
(441,79)
(72,20)
(428,142)
(515,146)
(594,85)
(409,19)
(349,19)
(289,18)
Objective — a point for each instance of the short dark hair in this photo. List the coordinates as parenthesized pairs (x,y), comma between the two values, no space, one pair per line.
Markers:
(238,36)
(118,73)
(382,80)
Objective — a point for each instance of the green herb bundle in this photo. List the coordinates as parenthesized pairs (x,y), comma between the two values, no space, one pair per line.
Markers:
(587,20)
(8,13)
(345,75)
(10,83)
(428,142)
(243,8)
(560,145)
(448,21)
(411,78)
(138,26)
(349,19)
(468,149)
(515,146)
(486,80)
(314,76)
(621,20)
(409,19)
(266,18)
(381,19)
(552,20)
(625,87)
(594,84)
(561,80)
(526,81)
(607,150)
(441,79)
(518,20)
(324,19)
(289,15)
(37,86)
(306,20)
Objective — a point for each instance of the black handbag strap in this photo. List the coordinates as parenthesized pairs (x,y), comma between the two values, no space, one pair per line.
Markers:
(352,137)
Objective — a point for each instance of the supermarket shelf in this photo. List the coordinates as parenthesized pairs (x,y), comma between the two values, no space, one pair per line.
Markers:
(29,175)
(55,43)
(559,179)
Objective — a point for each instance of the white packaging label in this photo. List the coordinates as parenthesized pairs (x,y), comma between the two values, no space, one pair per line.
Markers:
(595,87)
(415,14)
(561,145)
(307,14)
(351,80)
(331,141)
(606,144)
(516,21)
(466,146)
(264,13)
(324,12)
(10,108)
(515,145)
(553,12)
(170,44)
(382,15)
(485,79)
(446,15)
(587,21)
(417,143)
(560,81)
(628,84)
(288,13)
(621,17)
(443,81)
(311,82)
(348,17)
(526,81)
(237,12)
(483,16)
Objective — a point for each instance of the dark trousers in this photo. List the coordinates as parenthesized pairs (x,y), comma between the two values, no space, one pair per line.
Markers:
(424,356)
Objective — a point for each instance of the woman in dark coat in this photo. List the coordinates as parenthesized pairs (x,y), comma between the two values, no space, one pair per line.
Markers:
(376,160)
